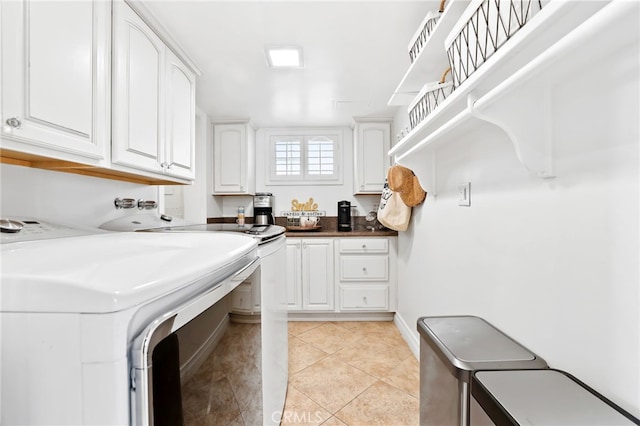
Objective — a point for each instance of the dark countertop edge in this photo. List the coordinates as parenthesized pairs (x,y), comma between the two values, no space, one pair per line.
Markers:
(332,234)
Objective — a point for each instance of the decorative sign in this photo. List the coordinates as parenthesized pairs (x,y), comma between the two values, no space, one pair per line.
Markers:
(297,206)
(303,213)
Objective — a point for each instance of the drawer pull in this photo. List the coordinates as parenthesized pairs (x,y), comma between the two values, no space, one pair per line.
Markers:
(364,299)
(364,246)
(364,269)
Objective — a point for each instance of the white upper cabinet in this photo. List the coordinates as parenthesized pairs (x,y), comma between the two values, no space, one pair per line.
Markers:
(124,105)
(138,80)
(153,101)
(56,79)
(234,158)
(181,115)
(372,141)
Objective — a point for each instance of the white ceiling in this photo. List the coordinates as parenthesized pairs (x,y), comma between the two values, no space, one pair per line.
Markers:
(355,54)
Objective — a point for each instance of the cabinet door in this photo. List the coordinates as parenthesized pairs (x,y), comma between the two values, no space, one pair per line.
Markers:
(373,141)
(181,95)
(138,78)
(231,165)
(294,274)
(317,274)
(55,78)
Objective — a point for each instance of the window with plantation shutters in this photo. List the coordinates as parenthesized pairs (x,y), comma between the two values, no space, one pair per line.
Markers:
(304,159)
(320,155)
(287,157)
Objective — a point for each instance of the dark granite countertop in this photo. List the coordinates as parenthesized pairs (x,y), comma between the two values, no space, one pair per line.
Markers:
(328,228)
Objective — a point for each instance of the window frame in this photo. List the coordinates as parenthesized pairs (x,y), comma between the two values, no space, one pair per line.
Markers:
(304,136)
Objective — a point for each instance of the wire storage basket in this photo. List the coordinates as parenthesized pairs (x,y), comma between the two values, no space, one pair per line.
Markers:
(485,26)
(431,95)
(425,29)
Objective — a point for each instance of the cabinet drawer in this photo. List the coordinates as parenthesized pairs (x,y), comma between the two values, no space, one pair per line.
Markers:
(364,268)
(364,298)
(364,245)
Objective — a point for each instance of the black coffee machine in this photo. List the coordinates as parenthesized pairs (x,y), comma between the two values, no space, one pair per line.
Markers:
(263,208)
(344,216)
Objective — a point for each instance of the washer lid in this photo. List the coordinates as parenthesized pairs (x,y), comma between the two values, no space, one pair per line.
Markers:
(473,340)
(544,397)
(112,271)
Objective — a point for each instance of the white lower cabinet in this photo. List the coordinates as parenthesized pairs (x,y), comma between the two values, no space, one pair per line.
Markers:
(310,274)
(366,274)
(349,275)
(364,298)
(245,299)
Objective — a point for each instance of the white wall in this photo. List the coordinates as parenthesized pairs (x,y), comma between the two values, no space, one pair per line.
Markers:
(326,196)
(553,263)
(65,198)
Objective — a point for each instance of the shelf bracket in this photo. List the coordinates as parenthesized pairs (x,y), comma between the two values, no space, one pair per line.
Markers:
(529,127)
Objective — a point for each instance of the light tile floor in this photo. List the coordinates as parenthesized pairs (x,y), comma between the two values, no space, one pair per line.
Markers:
(350,373)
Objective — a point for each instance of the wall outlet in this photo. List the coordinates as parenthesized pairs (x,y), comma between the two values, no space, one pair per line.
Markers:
(464,194)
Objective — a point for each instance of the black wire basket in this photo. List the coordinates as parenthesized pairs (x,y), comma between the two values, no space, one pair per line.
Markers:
(424,31)
(481,31)
(431,95)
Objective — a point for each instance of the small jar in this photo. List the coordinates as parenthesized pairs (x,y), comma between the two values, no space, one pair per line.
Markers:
(240,216)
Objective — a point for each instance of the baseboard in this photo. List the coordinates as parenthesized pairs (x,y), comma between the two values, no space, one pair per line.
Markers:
(411,339)
(355,316)
(197,359)
(245,318)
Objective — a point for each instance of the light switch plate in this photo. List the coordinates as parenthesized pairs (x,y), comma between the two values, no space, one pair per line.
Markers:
(464,194)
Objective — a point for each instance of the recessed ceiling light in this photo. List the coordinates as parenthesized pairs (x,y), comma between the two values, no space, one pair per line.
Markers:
(283,56)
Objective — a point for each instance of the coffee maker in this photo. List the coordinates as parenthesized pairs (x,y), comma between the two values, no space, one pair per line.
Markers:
(263,208)
(344,216)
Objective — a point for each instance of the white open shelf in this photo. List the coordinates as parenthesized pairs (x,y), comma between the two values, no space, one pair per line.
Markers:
(432,59)
(563,39)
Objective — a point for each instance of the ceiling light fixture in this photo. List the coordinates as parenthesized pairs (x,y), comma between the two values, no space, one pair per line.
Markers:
(283,56)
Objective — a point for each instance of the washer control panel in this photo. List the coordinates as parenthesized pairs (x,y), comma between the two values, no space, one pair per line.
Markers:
(27,229)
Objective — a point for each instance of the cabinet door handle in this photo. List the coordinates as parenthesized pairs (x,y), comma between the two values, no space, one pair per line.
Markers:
(14,122)
(364,269)
(364,299)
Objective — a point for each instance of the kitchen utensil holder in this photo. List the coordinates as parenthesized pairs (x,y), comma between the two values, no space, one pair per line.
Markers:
(428,99)
(425,29)
(485,27)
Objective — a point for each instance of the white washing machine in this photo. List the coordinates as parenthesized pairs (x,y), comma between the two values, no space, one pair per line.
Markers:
(81,315)
(270,283)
